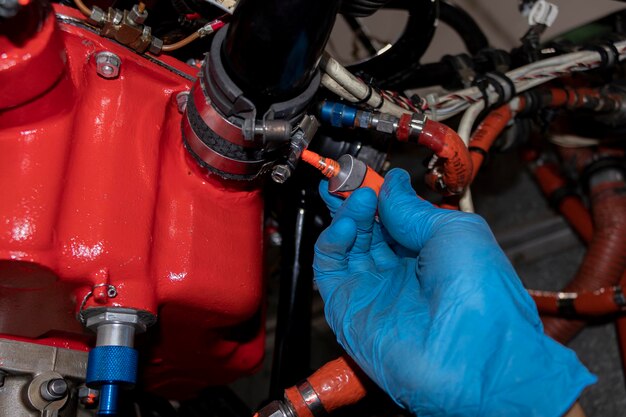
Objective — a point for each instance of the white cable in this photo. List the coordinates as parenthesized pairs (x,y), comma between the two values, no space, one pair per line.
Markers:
(466,203)
(525,78)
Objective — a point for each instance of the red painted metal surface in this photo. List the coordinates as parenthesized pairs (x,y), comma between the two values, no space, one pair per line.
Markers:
(98,189)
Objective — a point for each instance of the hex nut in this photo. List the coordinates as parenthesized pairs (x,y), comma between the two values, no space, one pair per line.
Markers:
(97,16)
(116,16)
(108,65)
(155,46)
(281,173)
(137,17)
(386,123)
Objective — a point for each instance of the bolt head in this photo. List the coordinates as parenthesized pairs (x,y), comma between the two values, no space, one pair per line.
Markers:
(108,65)
(281,173)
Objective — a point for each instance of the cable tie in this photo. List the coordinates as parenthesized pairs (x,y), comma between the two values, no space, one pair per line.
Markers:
(609,55)
(365,99)
(482,83)
(504,86)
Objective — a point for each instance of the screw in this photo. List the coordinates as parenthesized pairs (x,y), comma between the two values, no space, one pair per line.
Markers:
(281,173)
(111,292)
(54,389)
(108,65)
(181,100)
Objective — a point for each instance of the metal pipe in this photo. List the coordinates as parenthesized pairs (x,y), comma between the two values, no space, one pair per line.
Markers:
(272,47)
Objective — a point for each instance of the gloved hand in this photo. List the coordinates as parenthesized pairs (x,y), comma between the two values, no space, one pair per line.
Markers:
(434,313)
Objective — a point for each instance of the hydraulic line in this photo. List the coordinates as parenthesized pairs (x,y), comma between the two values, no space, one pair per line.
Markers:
(200,33)
(83,7)
(450,171)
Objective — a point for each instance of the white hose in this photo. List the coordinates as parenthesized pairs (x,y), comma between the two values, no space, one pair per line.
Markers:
(355,87)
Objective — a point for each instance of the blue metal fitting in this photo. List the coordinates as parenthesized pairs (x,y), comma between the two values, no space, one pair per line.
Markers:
(109,368)
(338,115)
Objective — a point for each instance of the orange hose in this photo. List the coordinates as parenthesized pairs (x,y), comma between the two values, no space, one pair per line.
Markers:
(571,206)
(487,133)
(337,384)
(605,260)
(327,166)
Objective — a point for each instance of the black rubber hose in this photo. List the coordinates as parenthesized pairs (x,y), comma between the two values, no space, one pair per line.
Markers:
(361,8)
(464,25)
(272,47)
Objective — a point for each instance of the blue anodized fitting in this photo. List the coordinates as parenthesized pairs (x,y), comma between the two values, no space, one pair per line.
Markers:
(112,364)
(337,114)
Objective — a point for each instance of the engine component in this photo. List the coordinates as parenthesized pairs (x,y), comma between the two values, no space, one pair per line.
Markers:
(48,381)
(241,111)
(126,27)
(99,192)
(113,362)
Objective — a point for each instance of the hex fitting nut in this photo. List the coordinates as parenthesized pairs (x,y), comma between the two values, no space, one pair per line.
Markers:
(98,16)
(108,65)
(137,17)
(155,46)
(281,173)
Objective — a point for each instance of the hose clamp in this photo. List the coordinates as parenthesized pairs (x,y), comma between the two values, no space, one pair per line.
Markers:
(311,399)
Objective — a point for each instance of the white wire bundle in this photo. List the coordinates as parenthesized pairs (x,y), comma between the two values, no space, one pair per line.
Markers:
(524,78)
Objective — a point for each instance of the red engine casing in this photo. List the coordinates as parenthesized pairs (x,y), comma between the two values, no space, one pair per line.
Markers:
(97,188)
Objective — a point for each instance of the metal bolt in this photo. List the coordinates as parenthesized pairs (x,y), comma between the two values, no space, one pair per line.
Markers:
(54,389)
(275,239)
(281,173)
(108,64)
(181,100)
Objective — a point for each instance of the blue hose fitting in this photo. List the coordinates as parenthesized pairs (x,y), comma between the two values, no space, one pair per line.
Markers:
(110,368)
(337,114)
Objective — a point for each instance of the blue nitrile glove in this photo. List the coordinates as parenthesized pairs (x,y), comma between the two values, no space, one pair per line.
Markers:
(448,332)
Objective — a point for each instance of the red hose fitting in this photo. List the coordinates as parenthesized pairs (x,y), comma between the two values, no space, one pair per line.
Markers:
(453,170)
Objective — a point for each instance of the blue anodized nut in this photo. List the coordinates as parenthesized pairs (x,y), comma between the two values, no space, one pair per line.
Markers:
(109,368)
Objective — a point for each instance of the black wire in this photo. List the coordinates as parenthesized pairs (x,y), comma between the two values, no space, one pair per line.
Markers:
(464,25)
